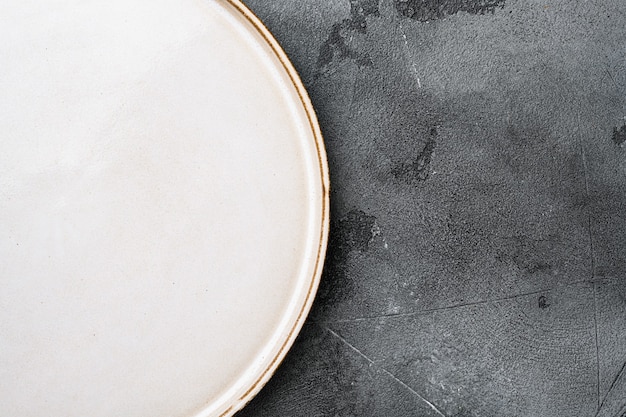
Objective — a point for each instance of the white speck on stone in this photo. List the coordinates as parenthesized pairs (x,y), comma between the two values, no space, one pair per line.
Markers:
(375,230)
(392,309)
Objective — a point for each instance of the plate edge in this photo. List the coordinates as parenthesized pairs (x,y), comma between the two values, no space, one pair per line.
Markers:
(303,96)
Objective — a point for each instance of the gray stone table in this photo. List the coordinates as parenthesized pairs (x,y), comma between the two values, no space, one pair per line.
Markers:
(477,259)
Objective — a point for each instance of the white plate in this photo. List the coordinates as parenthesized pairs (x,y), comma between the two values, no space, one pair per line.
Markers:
(163,207)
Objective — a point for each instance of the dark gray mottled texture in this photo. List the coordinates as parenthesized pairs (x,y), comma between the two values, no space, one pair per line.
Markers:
(477,258)
(611,302)
(323,376)
(501,358)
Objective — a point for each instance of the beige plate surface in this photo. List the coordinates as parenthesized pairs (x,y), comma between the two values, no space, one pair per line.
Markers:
(163,207)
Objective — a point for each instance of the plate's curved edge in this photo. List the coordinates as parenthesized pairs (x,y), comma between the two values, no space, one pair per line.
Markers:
(325,182)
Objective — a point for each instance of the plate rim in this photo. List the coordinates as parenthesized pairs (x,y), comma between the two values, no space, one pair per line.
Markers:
(306,103)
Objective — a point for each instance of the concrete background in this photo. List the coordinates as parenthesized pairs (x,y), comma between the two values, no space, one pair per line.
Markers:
(477,260)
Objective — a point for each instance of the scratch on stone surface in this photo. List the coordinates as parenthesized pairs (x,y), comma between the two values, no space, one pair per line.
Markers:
(408,56)
(611,77)
(592,261)
(431,405)
(451,307)
(595,323)
(371,362)
(587,196)
(613,384)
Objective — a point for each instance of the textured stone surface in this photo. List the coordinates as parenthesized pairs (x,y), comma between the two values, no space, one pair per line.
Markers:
(611,303)
(477,258)
(323,376)
(526,356)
